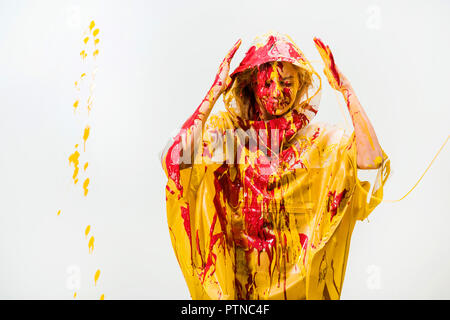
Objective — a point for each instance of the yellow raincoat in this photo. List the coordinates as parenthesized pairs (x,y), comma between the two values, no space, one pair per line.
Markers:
(248,222)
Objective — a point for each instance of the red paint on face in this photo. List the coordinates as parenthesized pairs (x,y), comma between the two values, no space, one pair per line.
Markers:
(269,89)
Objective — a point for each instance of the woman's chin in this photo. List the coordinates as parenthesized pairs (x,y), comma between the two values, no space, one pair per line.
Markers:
(279,111)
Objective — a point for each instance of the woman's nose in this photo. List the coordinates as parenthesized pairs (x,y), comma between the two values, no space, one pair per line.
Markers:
(275,88)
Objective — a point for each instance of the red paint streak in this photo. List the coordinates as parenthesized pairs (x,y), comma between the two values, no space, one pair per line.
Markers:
(198,247)
(211,259)
(171,191)
(304,243)
(173,163)
(334,201)
(185,214)
(316,134)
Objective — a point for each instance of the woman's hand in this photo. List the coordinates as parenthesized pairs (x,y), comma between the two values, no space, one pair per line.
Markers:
(369,154)
(336,79)
(222,79)
(185,142)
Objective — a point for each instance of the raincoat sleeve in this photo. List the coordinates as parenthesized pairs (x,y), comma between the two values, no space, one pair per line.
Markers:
(196,231)
(365,201)
(340,200)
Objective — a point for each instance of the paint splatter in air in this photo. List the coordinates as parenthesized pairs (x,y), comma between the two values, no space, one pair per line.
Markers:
(91,244)
(86,232)
(96,276)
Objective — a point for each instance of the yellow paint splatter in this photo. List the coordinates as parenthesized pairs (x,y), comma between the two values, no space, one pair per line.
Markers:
(85,186)
(95,53)
(86,135)
(86,232)
(378,160)
(92,25)
(96,276)
(85,166)
(83,54)
(96,31)
(59,212)
(74,295)
(86,40)
(96,41)
(73,158)
(82,75)
(75,104)
(89,103)
(102,297)
(91,244)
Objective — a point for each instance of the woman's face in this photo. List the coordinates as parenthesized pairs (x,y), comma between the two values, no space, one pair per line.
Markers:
(275,88)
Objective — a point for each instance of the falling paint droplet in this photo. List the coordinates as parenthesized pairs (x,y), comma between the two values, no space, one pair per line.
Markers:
(96,31)
(102,297)
(91,244)
(96,41)
(86,135)
(86,40)
(92,25)
(85,186)
(86,232)
(95,53)
(85,166)
(82,76)
(96,276)
(83,54)
(73,158)
(75,104)
(59,212)
(74,295)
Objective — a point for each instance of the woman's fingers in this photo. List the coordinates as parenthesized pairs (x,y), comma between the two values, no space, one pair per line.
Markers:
(331,70)
(233,50)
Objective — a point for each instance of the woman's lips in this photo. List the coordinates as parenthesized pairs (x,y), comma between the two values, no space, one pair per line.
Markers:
(276,102)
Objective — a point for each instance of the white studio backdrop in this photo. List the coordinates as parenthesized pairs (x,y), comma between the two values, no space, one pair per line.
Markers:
(157,60)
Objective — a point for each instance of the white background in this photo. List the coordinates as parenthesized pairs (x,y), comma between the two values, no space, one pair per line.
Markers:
(157,60)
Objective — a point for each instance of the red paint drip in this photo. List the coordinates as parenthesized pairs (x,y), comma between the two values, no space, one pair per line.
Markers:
(185,214)
(304,243)
(334,201)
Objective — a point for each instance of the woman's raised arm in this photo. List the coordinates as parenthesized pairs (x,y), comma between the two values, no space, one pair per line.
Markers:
(173,158)
(368,150)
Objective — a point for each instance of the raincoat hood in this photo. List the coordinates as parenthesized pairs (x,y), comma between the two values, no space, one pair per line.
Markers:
(238,97)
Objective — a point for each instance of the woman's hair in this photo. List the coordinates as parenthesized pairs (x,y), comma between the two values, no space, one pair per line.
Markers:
(243,90)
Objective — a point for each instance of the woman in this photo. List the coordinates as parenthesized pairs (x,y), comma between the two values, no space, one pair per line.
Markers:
(261,203)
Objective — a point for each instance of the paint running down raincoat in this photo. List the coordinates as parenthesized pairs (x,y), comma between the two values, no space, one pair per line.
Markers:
(268,207)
